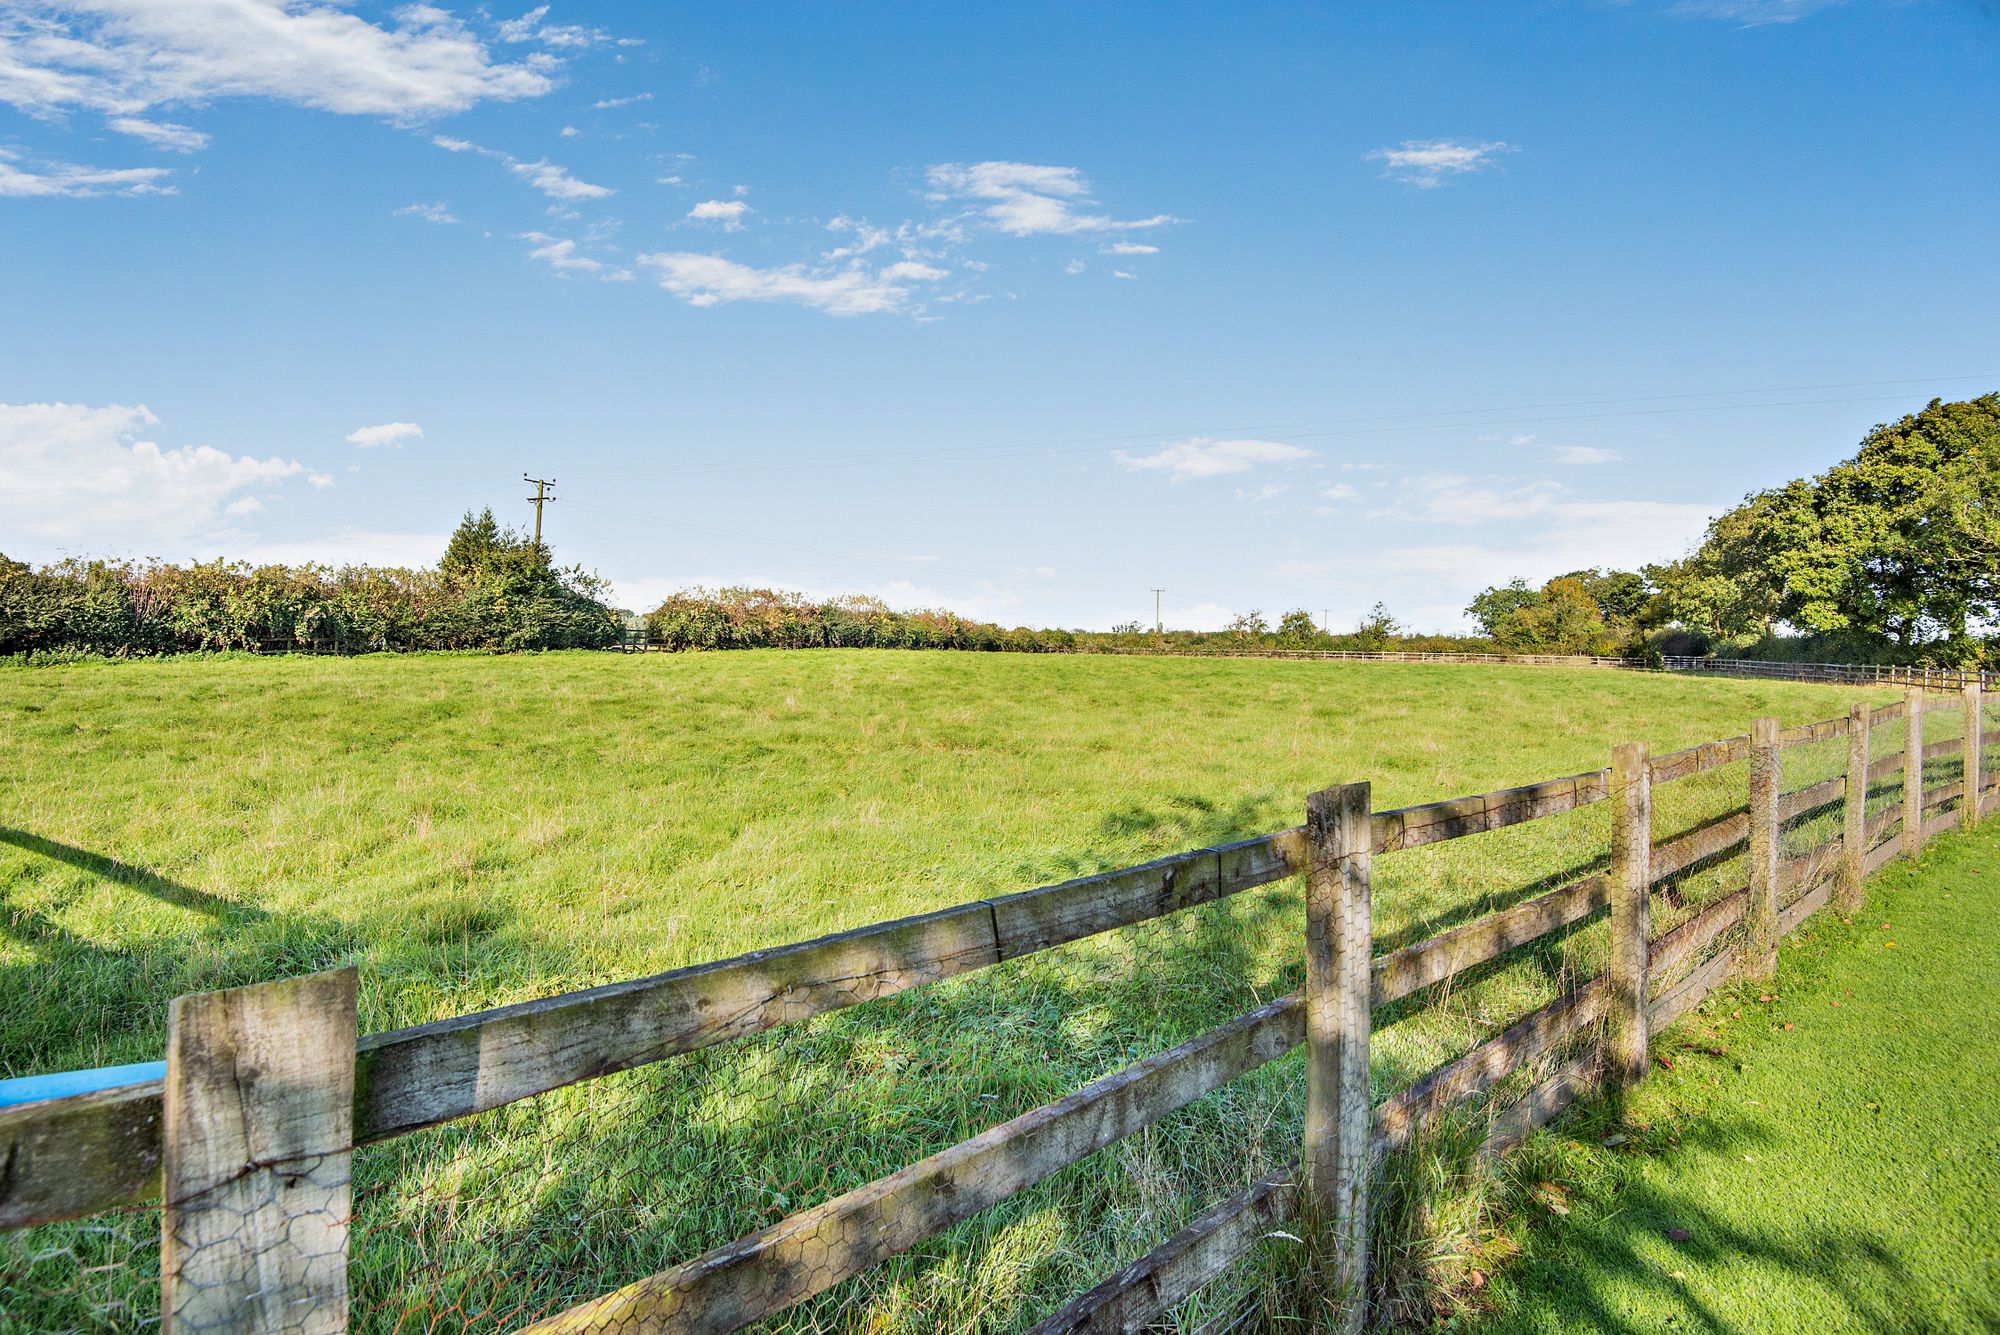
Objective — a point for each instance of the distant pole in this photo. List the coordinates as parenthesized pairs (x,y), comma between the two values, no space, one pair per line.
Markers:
(1159,628)
(540,498)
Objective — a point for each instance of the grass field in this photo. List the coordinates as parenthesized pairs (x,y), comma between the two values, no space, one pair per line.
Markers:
(476,830)
(1824,1161)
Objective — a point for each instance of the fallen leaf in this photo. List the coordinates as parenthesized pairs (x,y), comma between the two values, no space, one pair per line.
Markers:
(1678,1274)
(1475,1280)
(1788,1026)
(1679,1234)
(1888,944)
(1836,1003)
(1666,1062)
(1768,997)
(1885,926)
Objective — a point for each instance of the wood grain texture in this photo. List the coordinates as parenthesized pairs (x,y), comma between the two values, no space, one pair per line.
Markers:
(1415,967)
(1854,809)
(1807,733)
(81,1155)
(1695,759)
(1629,883)
(1760,920)
(1673,949)
(1454,818)
(258,1133)
(1338,948)
(1685,995)
(1913,771)
(1578,1078)
(1803,801)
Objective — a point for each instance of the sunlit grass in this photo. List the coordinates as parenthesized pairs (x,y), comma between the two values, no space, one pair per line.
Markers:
(478,830)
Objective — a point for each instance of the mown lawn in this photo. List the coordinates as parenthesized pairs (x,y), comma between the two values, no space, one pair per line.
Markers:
(473,830)
(1824,1161)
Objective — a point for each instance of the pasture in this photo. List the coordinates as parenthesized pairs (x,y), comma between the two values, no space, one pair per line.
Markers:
(475,830)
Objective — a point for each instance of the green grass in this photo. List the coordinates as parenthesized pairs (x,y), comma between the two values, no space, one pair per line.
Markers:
(475,830)
(1826,1161)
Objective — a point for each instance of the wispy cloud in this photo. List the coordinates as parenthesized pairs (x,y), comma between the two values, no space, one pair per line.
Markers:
(608,103)
(1130,248)
(1584,454)
(1023,199)
(856,289)
(430,213)
(550,178)
(562,255)
(1752,13)
(20,179)
(166,136)
(533,27)
(388,434)
(1200,457)
(1429,163)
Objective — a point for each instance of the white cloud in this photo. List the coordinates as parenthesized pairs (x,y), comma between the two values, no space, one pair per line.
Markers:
(163,135)
(1428,163)
(1269,491)
(569,132)
(124,58)
(561,254)
(1074,267)
(550,178)
(1584,454)
(430,213)
(711,280)
(1022,199)
(67,180)
(606,104)
(320,480)
(1120,273)
(1130,248)
(1201,456)
(728,212)
(530,28)
(78,474)
(1340,491)
(387,434)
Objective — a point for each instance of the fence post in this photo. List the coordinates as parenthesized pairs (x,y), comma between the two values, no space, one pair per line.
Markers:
(258,1133)
(1969,804)
(1339,950)
(1760,949)
(1630,887)
(1854,835)
(1913,770)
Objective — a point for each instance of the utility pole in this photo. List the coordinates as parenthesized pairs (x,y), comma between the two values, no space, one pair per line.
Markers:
(541,497)
(1158,627)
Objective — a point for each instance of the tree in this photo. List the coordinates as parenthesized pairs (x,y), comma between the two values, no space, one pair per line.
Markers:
(1897,548)
(1377,628)
(1296,629)
(1495,607)
(481,546)
(1249,626)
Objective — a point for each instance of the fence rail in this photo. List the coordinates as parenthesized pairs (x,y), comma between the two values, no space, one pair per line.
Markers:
(78,1154)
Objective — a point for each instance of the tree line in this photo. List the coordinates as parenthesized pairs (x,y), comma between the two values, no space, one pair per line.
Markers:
(1890,556)
(493,589)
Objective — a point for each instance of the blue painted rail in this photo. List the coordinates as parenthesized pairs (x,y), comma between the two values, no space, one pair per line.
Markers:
(34,1088)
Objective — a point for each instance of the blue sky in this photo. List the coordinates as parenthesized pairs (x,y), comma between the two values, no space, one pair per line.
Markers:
(1020,310)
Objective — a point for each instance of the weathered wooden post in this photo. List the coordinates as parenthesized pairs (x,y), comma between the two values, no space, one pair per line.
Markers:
(1913,771)
(1854,834)
(1969,804)
(1760,919)
(1629,884)
(258,1136)
(1339,949)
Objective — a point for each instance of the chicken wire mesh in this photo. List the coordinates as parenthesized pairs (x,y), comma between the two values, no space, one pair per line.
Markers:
(92,1276)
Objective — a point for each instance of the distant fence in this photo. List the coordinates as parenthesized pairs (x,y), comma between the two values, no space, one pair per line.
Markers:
(1537,961)
(1841,674)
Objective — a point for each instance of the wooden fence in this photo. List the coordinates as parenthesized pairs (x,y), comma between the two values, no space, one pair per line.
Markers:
(247,1136)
